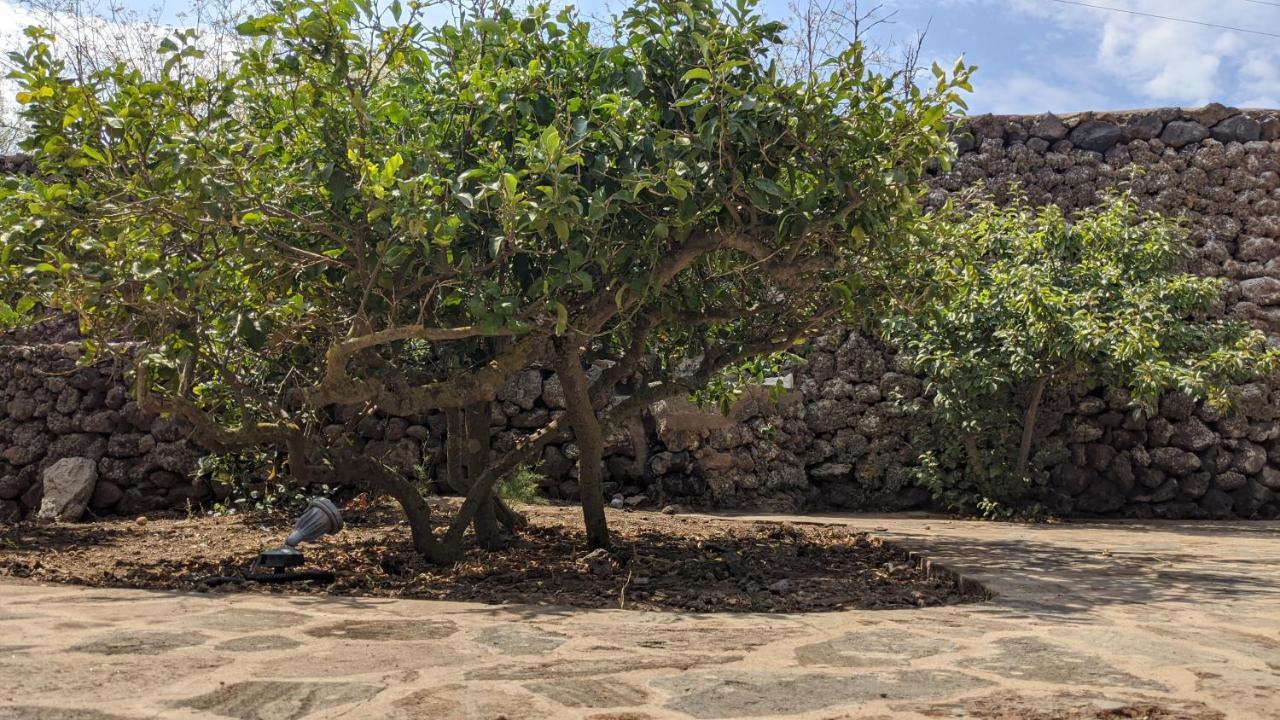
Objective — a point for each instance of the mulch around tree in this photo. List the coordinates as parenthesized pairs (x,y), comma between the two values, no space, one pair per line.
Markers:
(659,562)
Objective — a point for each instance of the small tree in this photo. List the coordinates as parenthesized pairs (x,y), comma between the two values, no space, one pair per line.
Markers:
(1030,300)
(368,213)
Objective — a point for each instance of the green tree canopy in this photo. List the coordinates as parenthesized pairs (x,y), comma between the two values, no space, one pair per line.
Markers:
(1029,299)
(365,211)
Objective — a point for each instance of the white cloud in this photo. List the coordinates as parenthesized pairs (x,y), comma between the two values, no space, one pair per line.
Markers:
(12,20)
(1081,56)
(1174,62)
(1021,92)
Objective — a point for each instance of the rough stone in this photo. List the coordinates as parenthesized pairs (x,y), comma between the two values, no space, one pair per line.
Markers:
(1146,126)
(664,463)
(524,389)
(1229,481)
(1217,503)
(1193,486)
(1049,127)
(1261,290)
(1249,500)
(11,486)
(1191,434)
(178,457)
(79,445)
(105,495)
(832,472)
(1249,458)
(1174,461)
(730,693)
(103,421)
(20,408)
(1180,133)
(531,419)
(1238,128)
(1271,129)
(1096,135)
(67,487)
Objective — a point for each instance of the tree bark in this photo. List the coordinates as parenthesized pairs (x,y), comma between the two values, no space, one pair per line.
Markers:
(477,459)
(363,471)
(1029,423)
(455,460)
(590,438)
(508,517)
(466,456)
(976,467)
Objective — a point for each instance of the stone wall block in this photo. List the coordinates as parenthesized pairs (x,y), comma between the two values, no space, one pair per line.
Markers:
(67,487)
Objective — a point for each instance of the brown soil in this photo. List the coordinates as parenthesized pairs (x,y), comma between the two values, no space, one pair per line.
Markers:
(659,562)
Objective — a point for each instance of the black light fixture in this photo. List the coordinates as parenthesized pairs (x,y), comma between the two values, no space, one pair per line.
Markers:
(320,518)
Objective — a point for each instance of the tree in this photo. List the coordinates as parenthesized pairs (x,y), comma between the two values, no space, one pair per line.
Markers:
(11,130)
(93,35)
(367,213)
(1029,300)
(818,30)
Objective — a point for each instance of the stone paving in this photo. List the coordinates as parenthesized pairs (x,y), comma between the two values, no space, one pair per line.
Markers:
(1087,618)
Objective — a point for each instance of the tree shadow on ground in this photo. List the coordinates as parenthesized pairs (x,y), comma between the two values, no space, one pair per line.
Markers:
(658,563)
(1054,581)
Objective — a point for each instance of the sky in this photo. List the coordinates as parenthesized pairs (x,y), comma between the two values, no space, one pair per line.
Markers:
(1049,55)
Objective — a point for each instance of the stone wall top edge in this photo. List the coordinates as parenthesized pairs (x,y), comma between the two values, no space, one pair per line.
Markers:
(71,349)
(1170,112)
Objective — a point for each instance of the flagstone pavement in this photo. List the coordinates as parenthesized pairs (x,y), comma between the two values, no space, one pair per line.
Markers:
(1177,618)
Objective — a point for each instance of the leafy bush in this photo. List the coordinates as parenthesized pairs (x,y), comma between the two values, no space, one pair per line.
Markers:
(251,483)
(1028,301)
(521,486)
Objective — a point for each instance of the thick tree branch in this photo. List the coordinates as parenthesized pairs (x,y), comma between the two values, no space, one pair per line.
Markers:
(460,390)
(590,438)
(208,431)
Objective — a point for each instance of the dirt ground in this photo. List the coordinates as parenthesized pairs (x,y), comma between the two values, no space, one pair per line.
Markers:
(659,562)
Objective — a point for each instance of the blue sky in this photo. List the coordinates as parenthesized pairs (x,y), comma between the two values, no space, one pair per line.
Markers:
(1042,55)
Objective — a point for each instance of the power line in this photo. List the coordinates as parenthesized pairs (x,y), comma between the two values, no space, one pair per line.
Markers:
(1166,17)
(1263,2)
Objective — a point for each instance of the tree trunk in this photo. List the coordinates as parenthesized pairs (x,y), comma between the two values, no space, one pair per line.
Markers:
(508,517)
(525,451)
(477,459)
(590,438)
(1029,424)
(362,471)
(456,470)
(976,467)
(455,455)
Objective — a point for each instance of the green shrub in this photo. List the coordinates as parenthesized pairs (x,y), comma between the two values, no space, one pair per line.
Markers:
(521,486)
(1028,301)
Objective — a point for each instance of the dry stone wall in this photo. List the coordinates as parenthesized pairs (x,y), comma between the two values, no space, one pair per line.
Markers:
(849,436)
(847,433)
(52,409)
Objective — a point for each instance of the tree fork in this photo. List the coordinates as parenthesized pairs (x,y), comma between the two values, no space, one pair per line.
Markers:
(459,481)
